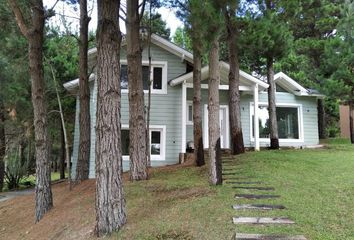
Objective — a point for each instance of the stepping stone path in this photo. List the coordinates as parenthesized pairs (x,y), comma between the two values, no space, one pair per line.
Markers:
(257,207)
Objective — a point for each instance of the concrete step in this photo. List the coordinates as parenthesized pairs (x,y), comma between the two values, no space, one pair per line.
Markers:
(256,196)
(247,236)
(255,188)
(259,207)
(262,220)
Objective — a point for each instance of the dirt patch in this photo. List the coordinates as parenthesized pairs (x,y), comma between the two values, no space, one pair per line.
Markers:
(73,214)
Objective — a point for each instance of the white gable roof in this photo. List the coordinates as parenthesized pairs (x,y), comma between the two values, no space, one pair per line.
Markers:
(292,86)
(245,78)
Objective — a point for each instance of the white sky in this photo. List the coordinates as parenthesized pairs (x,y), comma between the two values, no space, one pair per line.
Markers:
(72,16)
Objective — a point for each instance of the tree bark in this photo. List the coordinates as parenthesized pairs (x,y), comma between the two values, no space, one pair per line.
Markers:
(82,169)
(62,154)
(237,145)
(137,124)
(2,144)
(321,119)
(215,170)
(110,202)
(351,119)
(197,107)
(273,124)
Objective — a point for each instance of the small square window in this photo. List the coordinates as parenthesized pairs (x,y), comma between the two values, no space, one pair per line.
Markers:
(155,142)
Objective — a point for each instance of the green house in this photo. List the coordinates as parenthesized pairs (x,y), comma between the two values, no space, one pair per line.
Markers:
(171,124)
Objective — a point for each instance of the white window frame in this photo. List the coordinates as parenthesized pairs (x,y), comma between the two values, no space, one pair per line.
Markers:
(189,104)
(281,140)
(160,64)
(162,130)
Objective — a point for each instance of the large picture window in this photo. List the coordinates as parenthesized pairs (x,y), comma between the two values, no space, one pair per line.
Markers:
(288,119)
(158,77)
(157,142)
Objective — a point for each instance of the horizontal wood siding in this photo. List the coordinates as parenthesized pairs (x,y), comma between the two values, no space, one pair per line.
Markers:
(165,110)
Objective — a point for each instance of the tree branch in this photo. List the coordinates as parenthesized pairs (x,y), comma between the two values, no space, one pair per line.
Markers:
(143,4)
(19,17)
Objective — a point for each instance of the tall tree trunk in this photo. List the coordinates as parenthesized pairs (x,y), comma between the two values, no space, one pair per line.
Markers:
(197,106)
(110,202)
(273,124)
(215,170)
(321,119)
(82,169)
(35,34)
(237,145)
(62,153)
(351,119)
(137,124)
(2,144)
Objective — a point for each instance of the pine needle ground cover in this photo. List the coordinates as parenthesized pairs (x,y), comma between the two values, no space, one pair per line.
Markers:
(316,186)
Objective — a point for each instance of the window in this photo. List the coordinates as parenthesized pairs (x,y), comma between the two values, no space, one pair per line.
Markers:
(158,77)
(189,113)
(288,118)
(157,142)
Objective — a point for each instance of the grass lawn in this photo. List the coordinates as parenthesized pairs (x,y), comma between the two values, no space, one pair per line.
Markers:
(316,186)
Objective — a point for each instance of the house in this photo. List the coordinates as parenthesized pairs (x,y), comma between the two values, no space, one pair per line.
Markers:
(171,111)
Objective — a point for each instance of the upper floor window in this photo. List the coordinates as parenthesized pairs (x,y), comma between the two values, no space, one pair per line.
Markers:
(158,77)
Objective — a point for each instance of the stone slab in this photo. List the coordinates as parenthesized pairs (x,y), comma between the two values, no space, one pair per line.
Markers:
(256,196)
(262,220)
(233,182)
(259,207)
(255,188)
(247,236)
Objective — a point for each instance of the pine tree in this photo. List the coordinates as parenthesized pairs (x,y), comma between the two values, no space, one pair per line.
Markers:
(110,202)
(34,33)
(233,29)
(137,123)
(83,161)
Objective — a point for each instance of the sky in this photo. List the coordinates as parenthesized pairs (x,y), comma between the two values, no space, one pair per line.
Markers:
(72,16)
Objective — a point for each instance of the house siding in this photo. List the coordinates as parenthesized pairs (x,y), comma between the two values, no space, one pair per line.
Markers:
(165,111)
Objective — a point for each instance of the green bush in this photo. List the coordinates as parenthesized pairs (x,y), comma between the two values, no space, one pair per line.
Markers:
(15,171)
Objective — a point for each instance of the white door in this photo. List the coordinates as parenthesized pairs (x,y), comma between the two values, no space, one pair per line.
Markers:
(224,126)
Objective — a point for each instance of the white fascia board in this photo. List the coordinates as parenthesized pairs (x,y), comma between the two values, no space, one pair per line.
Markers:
(171,47)
(291,83)
(163,43)
(73,84)
(247,76)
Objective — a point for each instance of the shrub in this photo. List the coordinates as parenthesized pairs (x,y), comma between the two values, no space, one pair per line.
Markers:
(15,171)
